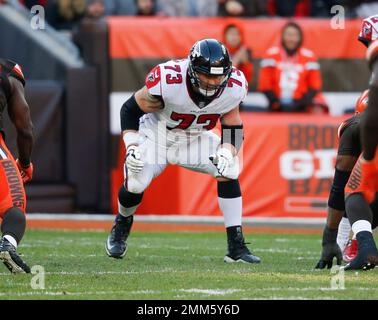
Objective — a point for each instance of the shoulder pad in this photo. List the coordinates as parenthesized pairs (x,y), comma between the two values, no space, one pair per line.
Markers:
(11,68)
(239,83)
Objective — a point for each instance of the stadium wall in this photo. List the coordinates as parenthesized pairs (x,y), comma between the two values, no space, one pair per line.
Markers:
(138,44)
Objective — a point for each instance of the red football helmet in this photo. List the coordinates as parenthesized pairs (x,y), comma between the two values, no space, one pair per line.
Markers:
(369,30)
(362,101)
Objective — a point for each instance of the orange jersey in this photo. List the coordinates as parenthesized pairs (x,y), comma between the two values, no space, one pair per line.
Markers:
(12,192)
(289,77)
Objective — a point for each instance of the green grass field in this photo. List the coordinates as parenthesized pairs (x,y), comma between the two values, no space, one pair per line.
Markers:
(178,266)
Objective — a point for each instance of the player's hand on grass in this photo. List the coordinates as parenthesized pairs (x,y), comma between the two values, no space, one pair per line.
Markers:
(133,159)
(26,171)
(330,250)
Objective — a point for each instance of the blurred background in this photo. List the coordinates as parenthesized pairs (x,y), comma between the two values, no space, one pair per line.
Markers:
(83,58)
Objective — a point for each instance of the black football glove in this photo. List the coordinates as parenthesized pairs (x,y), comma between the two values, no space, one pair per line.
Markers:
(330,250)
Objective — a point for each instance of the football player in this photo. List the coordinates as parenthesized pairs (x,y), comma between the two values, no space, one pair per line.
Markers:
(169,121)
(337,230)
(349,246)
(13,174)
(337,202)
(363,182)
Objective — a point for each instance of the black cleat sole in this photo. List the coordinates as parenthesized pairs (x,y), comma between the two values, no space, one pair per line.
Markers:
(369,264)
(372,261)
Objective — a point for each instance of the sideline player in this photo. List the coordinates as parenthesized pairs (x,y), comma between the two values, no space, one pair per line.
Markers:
(14,173)
(169,121)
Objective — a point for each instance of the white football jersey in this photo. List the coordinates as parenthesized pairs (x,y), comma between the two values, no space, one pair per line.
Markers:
(168,80)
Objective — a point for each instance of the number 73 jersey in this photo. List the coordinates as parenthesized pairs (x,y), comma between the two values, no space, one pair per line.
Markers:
(169,81)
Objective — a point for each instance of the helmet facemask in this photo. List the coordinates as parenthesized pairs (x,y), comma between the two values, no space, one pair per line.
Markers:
(203,87)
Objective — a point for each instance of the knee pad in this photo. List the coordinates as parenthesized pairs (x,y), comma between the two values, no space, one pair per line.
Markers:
(127,199)
(229,189)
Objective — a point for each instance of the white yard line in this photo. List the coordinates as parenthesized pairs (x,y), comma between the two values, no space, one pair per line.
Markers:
(203,292)
(77,273)
(69,293)
(211,292)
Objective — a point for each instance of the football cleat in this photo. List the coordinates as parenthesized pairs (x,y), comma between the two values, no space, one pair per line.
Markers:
(116,245)
(350,251)
(367,256)
(11,259)
(238,251)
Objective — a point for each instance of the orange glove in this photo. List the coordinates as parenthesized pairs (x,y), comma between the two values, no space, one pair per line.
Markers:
(26,172)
